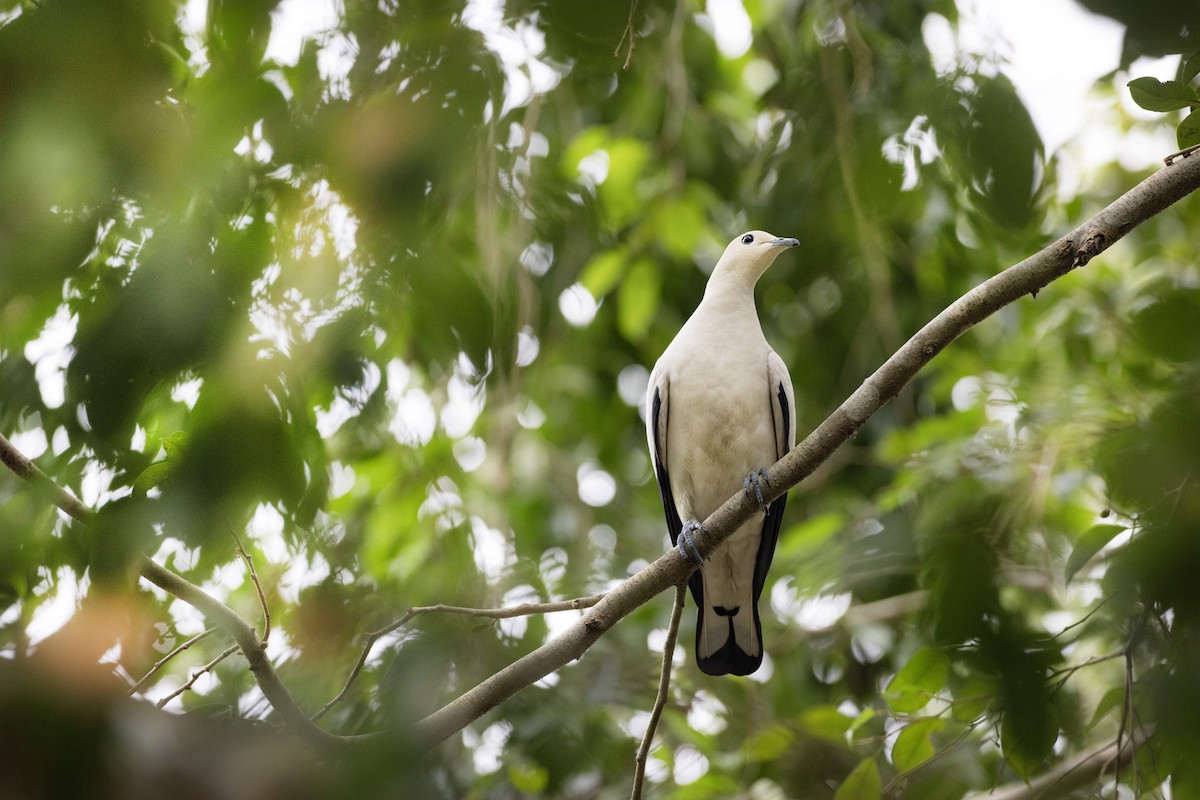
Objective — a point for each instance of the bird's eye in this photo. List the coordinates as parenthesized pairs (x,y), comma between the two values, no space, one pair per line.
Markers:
(748,239)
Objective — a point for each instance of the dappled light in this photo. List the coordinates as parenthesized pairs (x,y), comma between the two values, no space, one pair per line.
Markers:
(325,337)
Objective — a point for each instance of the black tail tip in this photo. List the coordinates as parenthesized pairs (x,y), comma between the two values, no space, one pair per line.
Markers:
(729,660)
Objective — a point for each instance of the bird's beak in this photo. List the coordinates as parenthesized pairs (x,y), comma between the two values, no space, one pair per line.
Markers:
(784,241)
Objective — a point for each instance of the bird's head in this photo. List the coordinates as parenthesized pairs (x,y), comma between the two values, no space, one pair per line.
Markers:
(750,254)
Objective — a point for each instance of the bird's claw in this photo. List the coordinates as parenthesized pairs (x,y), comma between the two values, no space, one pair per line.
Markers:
(687,541)
(754,481)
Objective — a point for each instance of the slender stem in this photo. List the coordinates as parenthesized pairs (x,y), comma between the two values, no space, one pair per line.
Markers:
(207,668)
(262,598)
(660,702)
(525,609)
(162,662)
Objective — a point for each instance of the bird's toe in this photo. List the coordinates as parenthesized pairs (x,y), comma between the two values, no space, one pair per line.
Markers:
(687,541)
(752,486)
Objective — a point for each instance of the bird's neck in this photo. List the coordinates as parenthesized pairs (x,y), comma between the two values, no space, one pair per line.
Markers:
(729,292)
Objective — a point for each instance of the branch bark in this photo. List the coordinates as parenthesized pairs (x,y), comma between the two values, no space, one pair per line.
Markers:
(1162,189)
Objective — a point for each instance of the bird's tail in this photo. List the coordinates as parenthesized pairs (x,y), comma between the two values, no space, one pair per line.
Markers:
(728,640)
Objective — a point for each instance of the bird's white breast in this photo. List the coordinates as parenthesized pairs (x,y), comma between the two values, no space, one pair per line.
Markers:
(721,424)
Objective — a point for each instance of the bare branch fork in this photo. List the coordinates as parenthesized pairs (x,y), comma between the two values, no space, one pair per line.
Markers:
(1160,190)
(522,610)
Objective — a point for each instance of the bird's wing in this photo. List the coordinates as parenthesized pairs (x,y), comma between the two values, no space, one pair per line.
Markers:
(783,404)
(783,410)
(658,413)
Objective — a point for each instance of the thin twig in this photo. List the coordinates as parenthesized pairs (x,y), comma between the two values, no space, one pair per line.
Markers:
(209,667)
(162,662)
(660,702)
(1127,708)
(967,730)
(1068,672)
(629,34)
(523,610)
(262,598)
(173,583)
(1184,153)
(1070,775)
(1077,622)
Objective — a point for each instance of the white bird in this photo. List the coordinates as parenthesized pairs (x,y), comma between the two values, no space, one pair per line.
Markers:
(720,406)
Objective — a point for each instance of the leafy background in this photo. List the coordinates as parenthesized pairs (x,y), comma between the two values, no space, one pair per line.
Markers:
(385,313)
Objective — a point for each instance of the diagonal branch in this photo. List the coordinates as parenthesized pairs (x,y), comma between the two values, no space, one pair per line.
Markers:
(162,662)
(1072,774)
(1155,193)
(204,670)
(213,609)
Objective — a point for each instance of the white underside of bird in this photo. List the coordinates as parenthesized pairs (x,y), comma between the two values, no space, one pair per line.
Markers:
(720,407)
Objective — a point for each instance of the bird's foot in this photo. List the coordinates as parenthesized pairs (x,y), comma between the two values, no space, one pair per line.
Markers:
(752,486)
(687,541)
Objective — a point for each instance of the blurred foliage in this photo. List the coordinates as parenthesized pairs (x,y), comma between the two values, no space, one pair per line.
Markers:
(383,306)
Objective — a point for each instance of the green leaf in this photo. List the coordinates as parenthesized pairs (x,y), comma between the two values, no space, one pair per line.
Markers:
(175,444)
(152,476)
(529,779)
(914,745)
(861,784)
(586,143)
(638,299)
(1167,327)
(1027,735)
(627,166)
(826,722)
(1191,68)
(1113,698)
(814,532)
(679,224)
(1188,132)
(603,271)
(768,744)
(864,716)
(1155,95)
(918,681)
(1092,541)
(972,699)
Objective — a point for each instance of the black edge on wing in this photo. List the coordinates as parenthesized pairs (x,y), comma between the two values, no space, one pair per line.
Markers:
(770,529)
(674,523)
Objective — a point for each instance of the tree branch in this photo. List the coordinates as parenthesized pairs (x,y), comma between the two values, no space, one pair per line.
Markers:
(1155,193)
(213,609)
(162,662)
(1070,775)
(204,670)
